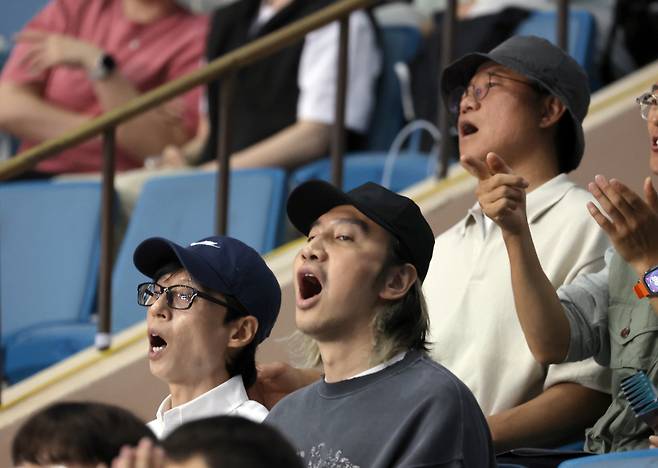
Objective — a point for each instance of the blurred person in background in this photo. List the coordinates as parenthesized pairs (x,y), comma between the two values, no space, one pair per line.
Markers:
(79,58)
(76,435)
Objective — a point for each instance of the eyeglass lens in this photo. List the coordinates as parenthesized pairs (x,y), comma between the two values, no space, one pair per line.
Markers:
(178,297)
(647,101)
(478,89)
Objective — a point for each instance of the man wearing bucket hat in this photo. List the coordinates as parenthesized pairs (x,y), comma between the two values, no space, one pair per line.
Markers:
(382,401)
(612,314)
(209,306)
(522,103)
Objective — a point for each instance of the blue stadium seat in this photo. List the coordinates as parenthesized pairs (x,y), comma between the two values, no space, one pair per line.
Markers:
(399,44)
(582,33)
(15,13)
(49,254)
(359,168)
(182,208)
(635,459)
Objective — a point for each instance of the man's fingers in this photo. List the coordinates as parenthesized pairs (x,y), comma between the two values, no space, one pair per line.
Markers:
(497,165)
(30,35)
(613,191)
(475,167)
(599,188)
(650,195)
(600,219)
(145,456)
(501,193)
(630,199)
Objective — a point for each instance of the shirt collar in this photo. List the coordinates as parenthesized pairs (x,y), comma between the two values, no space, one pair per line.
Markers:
(222,399)
(538,202)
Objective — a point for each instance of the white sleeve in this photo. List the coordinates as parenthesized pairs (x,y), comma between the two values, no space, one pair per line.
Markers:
(318,71)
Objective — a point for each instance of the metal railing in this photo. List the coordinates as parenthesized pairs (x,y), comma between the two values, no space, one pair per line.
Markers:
(225,67)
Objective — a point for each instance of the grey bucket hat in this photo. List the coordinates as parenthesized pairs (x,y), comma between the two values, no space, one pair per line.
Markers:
(547,65)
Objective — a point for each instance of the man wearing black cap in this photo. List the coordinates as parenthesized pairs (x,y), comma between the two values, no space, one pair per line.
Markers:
(611,315)
(382,401)
(209,306)
(523,103)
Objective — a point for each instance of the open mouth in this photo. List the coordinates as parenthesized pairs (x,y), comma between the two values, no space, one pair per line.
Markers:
(309,286)
(467,128)
(157,344)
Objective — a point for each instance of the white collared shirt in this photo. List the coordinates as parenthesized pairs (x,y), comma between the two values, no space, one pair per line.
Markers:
(229,398)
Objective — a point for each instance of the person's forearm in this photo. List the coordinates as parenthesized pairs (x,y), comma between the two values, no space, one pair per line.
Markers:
(148,133)
(559,414)
(28,117)
(542,318)
(291,147)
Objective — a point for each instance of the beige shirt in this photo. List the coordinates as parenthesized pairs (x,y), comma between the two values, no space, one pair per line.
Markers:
(474,326)
(229,398)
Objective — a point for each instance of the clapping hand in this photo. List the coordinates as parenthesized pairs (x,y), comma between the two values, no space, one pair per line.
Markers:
(631,223)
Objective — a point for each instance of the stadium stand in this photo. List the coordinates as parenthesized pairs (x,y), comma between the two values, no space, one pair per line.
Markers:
(49,254)
(181,208)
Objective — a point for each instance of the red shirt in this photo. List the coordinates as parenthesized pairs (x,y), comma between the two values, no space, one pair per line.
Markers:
(148,55)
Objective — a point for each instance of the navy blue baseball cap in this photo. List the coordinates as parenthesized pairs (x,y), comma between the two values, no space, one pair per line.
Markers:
(224,265)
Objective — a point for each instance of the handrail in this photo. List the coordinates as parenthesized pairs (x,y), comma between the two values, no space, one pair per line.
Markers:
(237,58)
(229,63)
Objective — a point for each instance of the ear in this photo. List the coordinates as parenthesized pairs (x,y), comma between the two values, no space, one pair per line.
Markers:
(399,280)
(552,110)
(242,331)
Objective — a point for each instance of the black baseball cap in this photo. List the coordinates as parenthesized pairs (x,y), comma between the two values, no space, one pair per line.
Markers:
(396,213)
(543,63)
(221,264)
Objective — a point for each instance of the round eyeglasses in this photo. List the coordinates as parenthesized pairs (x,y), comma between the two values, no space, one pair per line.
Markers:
(647,101)
(478,89)
(178,296)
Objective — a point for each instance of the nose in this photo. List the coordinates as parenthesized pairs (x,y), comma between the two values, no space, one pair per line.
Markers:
(314,250)
(468,101)
(160,309)
(652,117)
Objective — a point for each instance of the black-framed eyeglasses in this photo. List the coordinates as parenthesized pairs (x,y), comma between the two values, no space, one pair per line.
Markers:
(646,102)
(478,89)
(179,296)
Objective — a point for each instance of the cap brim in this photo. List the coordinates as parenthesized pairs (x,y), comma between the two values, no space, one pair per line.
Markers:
(311,200)
(156,252)
(460,72)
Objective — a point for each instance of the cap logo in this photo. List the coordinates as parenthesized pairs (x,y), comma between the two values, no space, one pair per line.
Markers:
(207,243)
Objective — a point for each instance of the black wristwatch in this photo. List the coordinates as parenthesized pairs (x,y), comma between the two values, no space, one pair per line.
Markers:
(104,67)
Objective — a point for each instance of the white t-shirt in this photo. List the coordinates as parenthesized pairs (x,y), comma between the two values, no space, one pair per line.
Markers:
(318,69)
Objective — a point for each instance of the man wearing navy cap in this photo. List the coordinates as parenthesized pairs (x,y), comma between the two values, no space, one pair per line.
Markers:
(382,402)
(209,306)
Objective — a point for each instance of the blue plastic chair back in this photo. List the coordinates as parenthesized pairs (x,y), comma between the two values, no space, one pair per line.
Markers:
(182,208)
(49,256)
(635,459)
(359,168)
(15,13)
(582,32)
(399,44)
